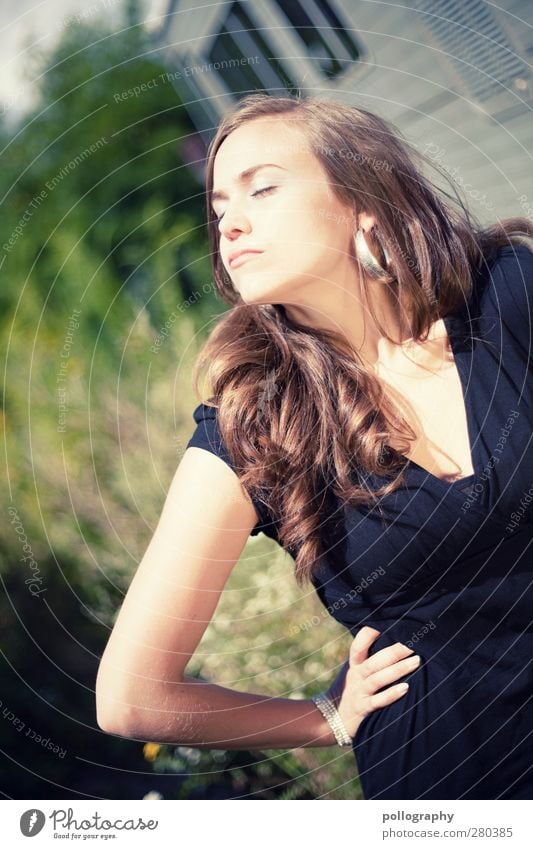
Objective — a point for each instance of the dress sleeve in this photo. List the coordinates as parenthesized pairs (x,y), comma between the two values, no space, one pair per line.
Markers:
(207,435)
(514,286)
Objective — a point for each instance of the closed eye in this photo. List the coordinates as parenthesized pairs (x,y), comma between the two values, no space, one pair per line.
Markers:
(263,191)
(257,193)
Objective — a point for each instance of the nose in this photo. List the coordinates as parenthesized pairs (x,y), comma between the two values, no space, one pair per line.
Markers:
(233,224)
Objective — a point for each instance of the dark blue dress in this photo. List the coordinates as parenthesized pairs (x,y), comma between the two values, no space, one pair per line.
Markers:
(448,568)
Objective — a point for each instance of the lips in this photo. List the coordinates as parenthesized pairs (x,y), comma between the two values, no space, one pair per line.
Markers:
(241,256)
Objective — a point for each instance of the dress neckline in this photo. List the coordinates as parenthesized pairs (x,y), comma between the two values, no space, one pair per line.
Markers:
(462,345)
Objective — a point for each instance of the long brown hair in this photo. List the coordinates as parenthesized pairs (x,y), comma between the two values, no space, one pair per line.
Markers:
(303,419)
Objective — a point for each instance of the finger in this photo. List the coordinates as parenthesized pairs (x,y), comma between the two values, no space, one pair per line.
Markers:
(386,657)
(387,697)
(391,673)
(361,643)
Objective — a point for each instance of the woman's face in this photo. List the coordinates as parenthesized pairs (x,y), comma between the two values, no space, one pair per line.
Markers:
(285,210)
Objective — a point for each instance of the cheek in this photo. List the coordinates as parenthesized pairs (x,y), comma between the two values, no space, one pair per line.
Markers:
(306,243)
(330,240)
(298,227)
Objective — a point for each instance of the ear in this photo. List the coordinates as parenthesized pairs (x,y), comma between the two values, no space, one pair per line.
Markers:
(366,221)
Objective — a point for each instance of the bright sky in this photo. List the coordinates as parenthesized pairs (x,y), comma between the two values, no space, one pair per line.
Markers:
(28,26)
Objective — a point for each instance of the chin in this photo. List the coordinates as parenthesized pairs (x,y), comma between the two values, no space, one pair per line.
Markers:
(253,289)
(254,298)
(264,288)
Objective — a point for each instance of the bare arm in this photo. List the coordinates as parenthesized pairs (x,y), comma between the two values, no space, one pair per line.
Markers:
(207,716)
(142,691)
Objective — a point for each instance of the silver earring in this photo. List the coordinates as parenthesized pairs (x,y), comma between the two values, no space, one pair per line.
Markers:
(367,258)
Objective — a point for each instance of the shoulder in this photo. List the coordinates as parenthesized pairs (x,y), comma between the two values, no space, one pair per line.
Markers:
(510,288)
(207,435)
(502,295)
(204,411)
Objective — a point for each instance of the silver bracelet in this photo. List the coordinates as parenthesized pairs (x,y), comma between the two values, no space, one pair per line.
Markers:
(328,710)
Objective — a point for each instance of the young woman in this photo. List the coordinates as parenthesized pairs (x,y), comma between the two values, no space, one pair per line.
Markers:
(372,411)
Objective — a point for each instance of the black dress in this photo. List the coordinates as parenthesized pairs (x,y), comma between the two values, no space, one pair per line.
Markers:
(447,568)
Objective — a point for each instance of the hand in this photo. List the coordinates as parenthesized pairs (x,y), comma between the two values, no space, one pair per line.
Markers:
(354,689)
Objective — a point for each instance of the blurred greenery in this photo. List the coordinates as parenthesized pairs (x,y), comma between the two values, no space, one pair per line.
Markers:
(106,300)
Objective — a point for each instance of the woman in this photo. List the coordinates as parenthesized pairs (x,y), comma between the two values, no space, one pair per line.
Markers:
(372,411)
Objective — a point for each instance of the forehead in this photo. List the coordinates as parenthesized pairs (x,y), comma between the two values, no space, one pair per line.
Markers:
(276,140)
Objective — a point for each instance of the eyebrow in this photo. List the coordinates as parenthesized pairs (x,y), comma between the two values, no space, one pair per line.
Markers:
(244,176)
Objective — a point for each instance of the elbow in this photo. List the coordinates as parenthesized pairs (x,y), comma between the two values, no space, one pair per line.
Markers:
(124,713)
(113,719)
(111,724)
(114,713)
